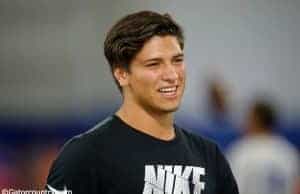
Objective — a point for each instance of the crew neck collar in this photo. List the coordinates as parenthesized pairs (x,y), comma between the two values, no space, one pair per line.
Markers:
(145,135)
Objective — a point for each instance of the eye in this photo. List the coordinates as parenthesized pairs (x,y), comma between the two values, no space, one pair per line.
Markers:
(152,64)
(178,60)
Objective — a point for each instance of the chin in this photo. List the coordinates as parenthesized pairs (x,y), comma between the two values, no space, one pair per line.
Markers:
(170,109)
(162,107)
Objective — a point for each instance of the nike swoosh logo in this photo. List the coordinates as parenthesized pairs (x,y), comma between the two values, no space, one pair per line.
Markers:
(55,191)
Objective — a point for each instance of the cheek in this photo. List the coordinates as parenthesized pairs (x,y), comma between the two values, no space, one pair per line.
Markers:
(145,80)
(181,72)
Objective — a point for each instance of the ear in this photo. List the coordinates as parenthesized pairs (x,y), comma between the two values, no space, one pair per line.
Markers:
(121,76)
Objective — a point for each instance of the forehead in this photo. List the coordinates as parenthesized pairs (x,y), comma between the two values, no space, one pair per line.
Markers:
(159,47)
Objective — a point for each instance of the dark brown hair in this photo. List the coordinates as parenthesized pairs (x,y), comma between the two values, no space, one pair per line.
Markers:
(128,36)
(265,113)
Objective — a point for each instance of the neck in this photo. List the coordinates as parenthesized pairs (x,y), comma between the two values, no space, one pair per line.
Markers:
(255,131)
(158,125)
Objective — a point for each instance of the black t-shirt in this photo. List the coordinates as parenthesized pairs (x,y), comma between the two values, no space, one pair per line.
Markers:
(114,158)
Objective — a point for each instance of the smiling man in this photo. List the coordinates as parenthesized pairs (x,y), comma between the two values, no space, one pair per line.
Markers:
(139,149)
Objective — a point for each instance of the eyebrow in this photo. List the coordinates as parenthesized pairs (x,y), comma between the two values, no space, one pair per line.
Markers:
(159,59)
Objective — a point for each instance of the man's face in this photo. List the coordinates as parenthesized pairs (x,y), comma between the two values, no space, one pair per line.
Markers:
(156,78)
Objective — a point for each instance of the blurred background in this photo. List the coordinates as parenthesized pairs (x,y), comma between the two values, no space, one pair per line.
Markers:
(55,82)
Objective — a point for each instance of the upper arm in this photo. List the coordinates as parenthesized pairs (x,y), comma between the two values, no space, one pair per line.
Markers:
(73,169)
(225,179)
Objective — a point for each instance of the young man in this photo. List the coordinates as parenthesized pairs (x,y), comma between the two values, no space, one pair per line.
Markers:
(139,149)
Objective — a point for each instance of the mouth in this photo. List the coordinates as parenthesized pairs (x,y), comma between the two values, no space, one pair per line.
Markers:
(169,92)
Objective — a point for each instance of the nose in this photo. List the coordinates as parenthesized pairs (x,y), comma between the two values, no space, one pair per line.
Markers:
(170,73)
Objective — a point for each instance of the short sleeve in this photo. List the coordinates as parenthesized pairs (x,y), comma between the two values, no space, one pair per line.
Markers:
(73,170)
(226,182)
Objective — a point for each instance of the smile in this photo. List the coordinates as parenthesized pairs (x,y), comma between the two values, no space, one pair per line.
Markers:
(168,91)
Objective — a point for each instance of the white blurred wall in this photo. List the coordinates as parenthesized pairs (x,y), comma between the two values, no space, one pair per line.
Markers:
(52,63)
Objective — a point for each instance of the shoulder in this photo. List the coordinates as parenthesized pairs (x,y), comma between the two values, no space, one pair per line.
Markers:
(85,143)
(198,142)
(215,159)
(282,143)
(207,149)
(79,154)
(88,142)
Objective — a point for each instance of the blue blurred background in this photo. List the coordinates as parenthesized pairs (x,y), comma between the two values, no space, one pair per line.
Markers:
(55,82)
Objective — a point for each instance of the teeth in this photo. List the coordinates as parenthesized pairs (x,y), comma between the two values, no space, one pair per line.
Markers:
(172,89)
